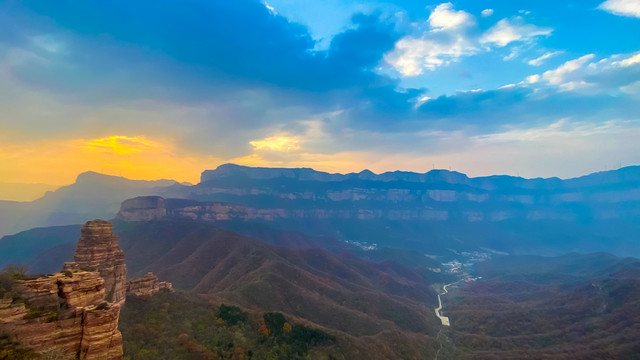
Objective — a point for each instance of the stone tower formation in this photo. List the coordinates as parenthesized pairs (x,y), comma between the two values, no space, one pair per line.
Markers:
(98,250)
(73,314)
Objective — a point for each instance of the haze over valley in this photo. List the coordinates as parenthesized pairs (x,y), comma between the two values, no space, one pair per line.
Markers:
(389,179)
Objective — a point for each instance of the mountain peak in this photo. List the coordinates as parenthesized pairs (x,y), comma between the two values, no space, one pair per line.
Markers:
(92,177)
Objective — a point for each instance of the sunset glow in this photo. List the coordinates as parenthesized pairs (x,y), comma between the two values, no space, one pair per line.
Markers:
(341,87)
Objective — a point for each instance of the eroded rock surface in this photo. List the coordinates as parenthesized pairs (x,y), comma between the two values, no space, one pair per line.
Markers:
(72,314)
(64,315)
(147,285)
(98,250)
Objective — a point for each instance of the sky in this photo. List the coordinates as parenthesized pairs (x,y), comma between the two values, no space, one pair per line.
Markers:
(167,89)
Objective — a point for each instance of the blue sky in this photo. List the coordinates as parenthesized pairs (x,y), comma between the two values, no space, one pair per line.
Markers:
(167,89)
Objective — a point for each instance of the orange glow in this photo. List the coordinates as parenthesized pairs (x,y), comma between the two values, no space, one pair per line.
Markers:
(277,143)
(134,157)
(121,144)
(139,157)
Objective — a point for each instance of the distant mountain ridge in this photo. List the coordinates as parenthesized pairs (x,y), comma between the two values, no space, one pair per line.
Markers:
(91,196)
(600,209)
(606,195)
(622,175)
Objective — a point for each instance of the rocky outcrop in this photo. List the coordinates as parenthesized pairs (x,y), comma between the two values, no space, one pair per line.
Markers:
(64,314)
(98,250)
(73,313)
(147,285)
(143,208)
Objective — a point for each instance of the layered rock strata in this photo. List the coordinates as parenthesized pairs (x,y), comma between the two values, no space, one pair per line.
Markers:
(64,315)
(438,195)
(98,250)
(139,209)
(73,313)
(147,285)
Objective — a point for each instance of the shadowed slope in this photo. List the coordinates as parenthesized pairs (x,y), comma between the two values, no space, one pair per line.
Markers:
(347,294)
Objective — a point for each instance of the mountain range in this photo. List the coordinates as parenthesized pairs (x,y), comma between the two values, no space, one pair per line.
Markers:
(597,212)
(360,256)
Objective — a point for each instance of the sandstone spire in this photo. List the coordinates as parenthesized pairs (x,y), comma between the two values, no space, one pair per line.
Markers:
(72,314)
(98,250)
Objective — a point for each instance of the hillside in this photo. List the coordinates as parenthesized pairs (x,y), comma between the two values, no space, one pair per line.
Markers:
(343,293)
(185,326)
(574,306)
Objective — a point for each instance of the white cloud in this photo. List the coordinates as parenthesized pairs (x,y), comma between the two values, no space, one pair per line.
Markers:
(450,39)
(270,8)
(412,55)
(533,79)
(631,89)
(445,17)
(632,60)
(538,61)
(622,7)
(445,42)
(559,75)
(487,12)
(507,31)
(616,74)
(575,85)
(561,129)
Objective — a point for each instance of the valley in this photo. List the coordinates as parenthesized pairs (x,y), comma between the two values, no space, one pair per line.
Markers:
(319,180)
(381,284)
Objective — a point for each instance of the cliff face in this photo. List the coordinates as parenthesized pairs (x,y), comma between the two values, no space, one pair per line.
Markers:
(98,250)
(218,211)
(64,314)
(144,208)
(436,195)
(70,314)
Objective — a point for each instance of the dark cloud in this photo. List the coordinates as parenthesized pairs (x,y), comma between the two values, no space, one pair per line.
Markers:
(251,70)
(523,107)
(202,45)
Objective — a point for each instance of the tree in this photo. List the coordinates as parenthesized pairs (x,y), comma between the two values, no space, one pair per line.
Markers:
(17,271)
(275,323)
(286,327)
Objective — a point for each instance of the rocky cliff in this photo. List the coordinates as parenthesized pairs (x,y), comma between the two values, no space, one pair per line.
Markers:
(147,285)
(435,195)
(98,250)
(220,211)
(73,313)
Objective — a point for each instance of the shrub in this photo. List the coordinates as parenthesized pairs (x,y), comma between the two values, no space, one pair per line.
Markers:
(52,316)
(307,336)
(231,315)
(8,277)
(274,322)
(10,350)
(33,314)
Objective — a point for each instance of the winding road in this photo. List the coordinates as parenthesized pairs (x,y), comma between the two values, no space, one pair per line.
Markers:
(443,319)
